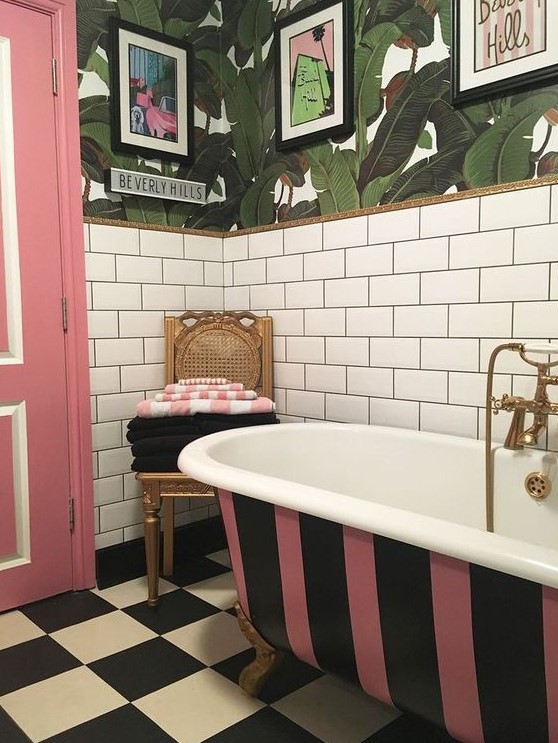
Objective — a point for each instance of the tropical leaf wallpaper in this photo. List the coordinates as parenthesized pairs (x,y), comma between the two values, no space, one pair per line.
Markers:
(409,142)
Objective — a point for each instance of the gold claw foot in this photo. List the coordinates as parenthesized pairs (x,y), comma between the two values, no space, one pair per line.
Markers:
(267,659)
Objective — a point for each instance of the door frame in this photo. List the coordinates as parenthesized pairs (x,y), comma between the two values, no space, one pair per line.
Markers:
(64,28)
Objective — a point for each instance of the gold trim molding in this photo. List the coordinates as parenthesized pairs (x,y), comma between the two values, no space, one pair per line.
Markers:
(410,204)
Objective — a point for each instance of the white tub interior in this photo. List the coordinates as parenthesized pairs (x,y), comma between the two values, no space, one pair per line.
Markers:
(433,475)
(426,489)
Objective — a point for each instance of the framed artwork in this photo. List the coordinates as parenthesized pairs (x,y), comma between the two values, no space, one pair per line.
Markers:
(501,45)
(151,93)
(314,74)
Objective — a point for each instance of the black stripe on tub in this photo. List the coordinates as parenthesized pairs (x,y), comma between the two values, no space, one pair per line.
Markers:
(326,595)
(509,656)
(407,622)
(257,534)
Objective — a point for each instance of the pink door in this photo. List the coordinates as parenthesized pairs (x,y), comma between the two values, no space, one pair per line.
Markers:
(35,537)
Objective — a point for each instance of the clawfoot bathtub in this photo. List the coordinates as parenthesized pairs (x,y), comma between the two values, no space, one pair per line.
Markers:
(363,551)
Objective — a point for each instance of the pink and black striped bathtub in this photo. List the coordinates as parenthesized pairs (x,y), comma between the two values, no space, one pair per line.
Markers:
(362,550)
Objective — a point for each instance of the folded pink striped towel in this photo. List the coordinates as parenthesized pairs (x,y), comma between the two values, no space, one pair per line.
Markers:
(204,380)
(208,395)
(156,409)
(178,389)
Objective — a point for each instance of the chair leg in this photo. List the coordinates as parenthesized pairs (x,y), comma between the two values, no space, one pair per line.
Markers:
(151,525)
(168,535)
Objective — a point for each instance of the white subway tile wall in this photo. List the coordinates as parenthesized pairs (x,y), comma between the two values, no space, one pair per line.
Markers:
(446,284)
(386,319)
(554,210)
(451,218)
(134,278)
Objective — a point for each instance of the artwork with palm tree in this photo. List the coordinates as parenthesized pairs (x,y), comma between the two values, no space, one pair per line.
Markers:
(311,75)
(313,98)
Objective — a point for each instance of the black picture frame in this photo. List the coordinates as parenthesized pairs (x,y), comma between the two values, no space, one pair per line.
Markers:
(313,93)
(151,98)
(496,51)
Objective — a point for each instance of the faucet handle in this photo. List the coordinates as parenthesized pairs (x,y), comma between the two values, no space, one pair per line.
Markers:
(497,403)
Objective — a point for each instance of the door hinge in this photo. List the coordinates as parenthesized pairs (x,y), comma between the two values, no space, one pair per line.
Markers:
(54,69)
(64,314)
(72,514)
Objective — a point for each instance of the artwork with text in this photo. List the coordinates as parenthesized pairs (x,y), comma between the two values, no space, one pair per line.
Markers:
(312,65)
(507,30)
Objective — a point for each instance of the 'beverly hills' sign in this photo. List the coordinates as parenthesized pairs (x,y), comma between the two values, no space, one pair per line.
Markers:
(158,186)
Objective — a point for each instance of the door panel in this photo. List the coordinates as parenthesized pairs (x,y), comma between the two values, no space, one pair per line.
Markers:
(33,393)
(8,525)
(4,341)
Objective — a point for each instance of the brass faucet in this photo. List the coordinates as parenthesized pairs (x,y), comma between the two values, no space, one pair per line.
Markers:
(540,406)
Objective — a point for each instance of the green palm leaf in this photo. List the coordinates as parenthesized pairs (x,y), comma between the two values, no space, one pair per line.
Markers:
(141,12)
(95,108)
(257,206)
(144,209)
(104,208)
(400,128)
(369,62)
(255,23)
(503,153)
(92,24)
(332,179)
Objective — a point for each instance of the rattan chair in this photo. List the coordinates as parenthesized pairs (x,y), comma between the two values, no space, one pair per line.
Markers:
(235,345)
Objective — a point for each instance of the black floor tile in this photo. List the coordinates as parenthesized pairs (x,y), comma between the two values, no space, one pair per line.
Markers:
(265,726)
(145,668)
(33,661)
(69,608)
(407,729)
(9,731)
(289,676)
(195,569)
(125,725)
(174,610)
(122,562)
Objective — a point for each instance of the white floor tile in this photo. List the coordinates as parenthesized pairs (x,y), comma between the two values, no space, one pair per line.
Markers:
(335,712)
(16,628)
(219,590)
(210,640)
(61,702)
(198,707)
(132,592)
(222,557)
(102,636)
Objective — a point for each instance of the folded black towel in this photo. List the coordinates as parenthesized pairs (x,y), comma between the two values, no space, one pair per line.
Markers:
(156,463)
(155,432)
(138,423)
(214,423)
(161,445)
(195,425)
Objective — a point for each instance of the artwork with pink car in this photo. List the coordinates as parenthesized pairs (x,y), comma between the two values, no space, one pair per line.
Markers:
(152,94)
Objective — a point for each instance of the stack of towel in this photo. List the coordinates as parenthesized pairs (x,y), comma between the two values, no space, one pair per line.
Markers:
(187,410)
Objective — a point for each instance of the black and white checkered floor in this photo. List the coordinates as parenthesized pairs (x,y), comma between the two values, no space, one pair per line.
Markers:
(101,666)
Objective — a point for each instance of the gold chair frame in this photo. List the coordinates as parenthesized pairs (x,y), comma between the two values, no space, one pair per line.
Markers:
(235,345)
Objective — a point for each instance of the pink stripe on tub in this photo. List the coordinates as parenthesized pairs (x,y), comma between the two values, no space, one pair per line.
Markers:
(364,609)
(550,626)
(453,625)
(233,541)
(292,584)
